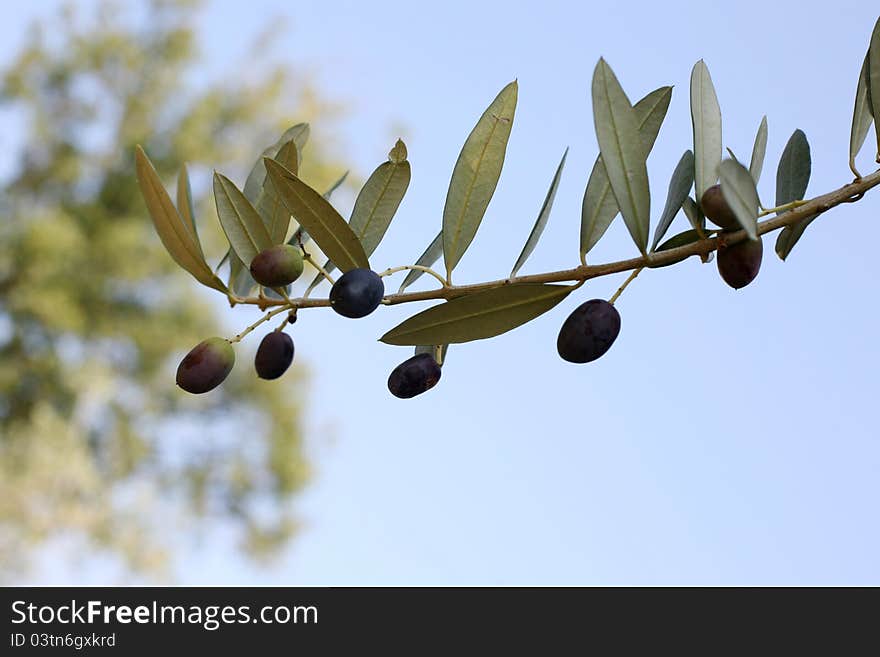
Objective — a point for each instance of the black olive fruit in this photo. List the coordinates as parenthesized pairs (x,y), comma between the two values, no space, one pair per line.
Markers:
(206,365)
(588,332)
(739,264)
(716,208)
(414,376)
(357,293)
(277,266)
(274,355)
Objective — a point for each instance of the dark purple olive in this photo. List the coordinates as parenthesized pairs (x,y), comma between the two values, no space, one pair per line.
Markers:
(274,355)
(206,365)
(739,264)
(414,376)
(277,266)
(716,208)
(588,332)
(357,293)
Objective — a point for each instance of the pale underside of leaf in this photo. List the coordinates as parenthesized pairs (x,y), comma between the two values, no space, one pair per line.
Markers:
(706,119)
(432,350)
(541,221)
(324,224)
(623,152)
(170,226)
(679,186)
(477,316)
(475,176)
(738,188)
(186,208)
(298,133)
(274,213)
(873,79)
(240,221)
(759,151)
(599,207)
(790,235)
(862,117)
(427,259)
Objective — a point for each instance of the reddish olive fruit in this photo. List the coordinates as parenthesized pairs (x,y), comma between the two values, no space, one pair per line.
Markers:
(414,376)
(739,264)
(716,208)
(206,365)
(277,266)
(274,355)
(588,332)
(357,293)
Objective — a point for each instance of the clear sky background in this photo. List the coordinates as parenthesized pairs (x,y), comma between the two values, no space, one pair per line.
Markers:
(727,438)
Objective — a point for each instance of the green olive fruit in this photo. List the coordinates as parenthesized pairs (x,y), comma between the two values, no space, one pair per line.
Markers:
(277,266)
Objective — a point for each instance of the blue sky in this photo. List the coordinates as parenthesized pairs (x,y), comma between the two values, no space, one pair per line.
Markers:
(727,438)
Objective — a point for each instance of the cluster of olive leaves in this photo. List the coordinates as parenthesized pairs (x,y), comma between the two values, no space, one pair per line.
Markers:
(264,256)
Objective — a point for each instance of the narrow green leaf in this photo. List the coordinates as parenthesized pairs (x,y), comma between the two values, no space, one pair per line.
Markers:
(873,78)
(706,119)
(319,218)
(298,134)
(759,150)
(274,213)
(679,187)
(862,117)
(793,172)
(432,349)
(738,188)
(541,221)
(377,203)
(681,239)
(300,234)
(475,175)
(186,208)
(478,316)
(599,207)
(240,221)
(427,259)
(623,152)
(172,230)
(790,235)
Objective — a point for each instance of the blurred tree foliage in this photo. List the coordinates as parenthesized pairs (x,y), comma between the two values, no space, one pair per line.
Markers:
(96,443)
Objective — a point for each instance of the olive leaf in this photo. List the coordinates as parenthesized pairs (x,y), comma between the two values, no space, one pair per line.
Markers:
(706,119)
(793,172)
(792,178)
(697,220)
(759,150)
(298,134)
(186,207)
(300,235)
(676,241)
(541,221)
(478,316)
(862,117)
(873,79)
(599,207)
(427,259)
(738,189)
(172,230)
(376,204)
(475,176)
(274,213)
(790,235)
(239,219)
(623,152)
(679,186)
(315,214)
